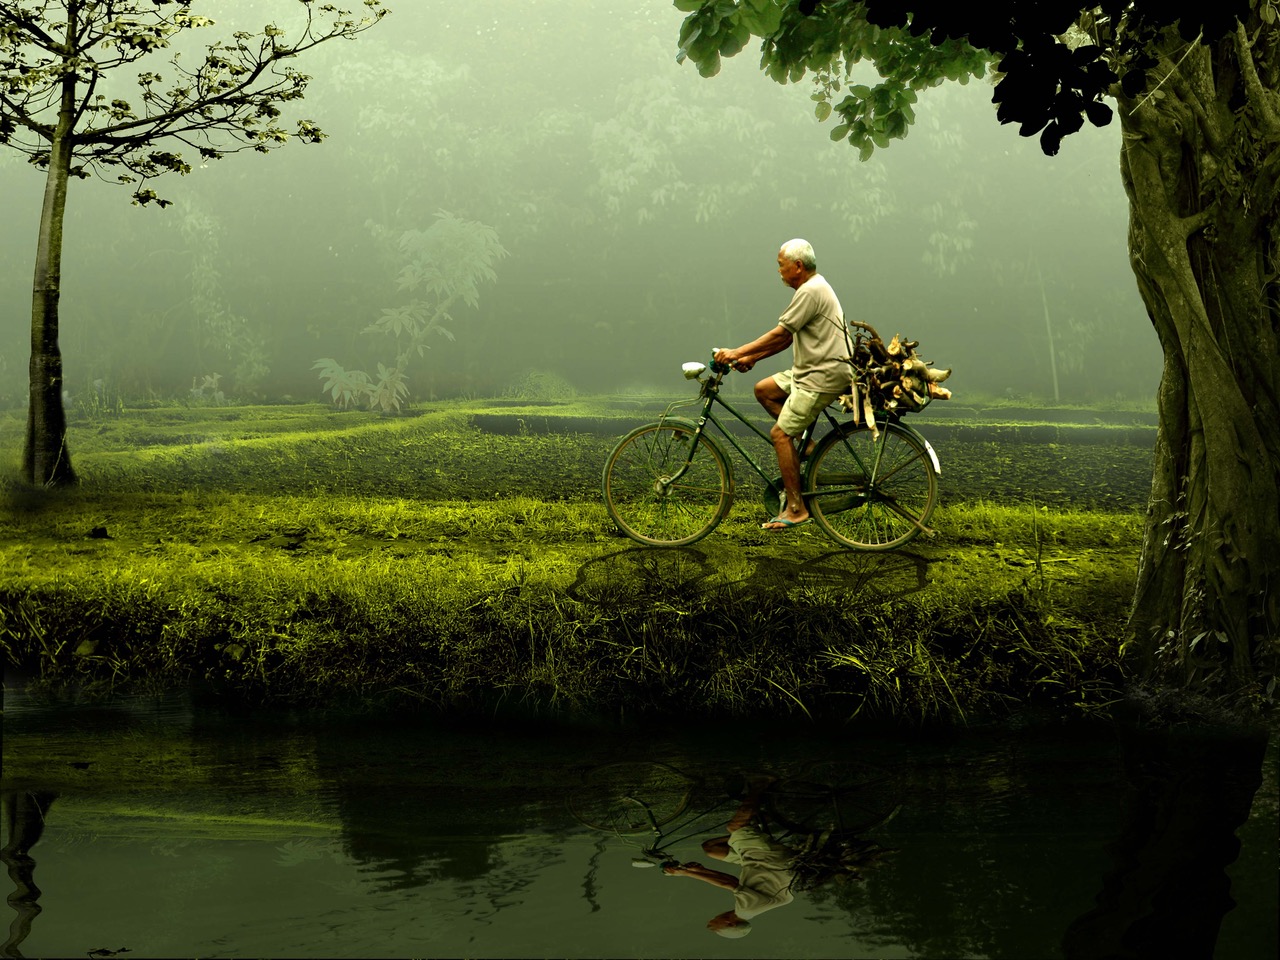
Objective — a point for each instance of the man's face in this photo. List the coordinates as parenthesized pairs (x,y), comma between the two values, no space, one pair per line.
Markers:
(792,272)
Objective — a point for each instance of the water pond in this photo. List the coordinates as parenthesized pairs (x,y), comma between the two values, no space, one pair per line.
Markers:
(156,828)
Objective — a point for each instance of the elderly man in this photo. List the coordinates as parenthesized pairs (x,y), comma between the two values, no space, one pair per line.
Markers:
(795,397)
(765,880)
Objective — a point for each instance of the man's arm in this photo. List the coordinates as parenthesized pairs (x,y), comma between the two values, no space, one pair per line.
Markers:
(716,878)
(745,357)
(750,805)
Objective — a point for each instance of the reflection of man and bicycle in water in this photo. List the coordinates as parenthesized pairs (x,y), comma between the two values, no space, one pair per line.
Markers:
(787,834)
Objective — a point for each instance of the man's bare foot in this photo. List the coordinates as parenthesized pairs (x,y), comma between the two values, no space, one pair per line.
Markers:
(783,522)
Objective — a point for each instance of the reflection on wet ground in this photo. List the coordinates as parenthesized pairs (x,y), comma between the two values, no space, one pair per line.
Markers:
(165,830)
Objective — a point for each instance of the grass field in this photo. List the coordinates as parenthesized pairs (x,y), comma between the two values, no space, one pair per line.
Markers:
(300,555)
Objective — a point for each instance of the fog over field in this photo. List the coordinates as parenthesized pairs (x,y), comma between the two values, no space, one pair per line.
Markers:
(607,212)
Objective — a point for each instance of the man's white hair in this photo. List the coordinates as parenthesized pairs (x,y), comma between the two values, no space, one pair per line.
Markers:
(801,250)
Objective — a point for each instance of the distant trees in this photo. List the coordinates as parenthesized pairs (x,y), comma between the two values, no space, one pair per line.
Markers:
(64,66)
(220,335)
(1196,91)
(438,267)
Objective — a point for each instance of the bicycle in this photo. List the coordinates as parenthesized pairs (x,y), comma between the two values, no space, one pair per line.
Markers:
(670,482)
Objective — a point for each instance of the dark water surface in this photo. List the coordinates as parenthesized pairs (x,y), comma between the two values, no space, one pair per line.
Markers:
(168,830)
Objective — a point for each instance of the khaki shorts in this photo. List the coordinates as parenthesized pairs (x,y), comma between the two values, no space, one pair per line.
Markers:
(802,406)
(748,843)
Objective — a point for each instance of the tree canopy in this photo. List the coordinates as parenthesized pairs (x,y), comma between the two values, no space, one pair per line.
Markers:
(1057,60)
(55,65)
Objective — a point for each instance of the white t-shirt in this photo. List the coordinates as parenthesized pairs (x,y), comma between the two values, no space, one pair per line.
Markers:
(816,322)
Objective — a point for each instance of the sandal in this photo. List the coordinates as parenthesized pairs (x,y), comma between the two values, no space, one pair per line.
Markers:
(786,524)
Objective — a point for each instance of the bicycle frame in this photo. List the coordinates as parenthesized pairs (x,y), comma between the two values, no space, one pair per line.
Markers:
(709,395)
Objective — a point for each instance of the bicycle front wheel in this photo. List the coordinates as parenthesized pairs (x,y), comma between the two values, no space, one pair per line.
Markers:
(667,486)
(872,494)
(629,797)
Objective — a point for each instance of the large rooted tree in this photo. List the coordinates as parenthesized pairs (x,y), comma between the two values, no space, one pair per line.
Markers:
(1196,90)
(64,69)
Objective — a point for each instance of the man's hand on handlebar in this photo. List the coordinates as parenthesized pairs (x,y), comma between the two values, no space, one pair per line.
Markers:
(732,359)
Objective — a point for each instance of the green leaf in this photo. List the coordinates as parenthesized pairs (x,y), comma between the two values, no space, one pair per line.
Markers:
(770,18)
(822,110)
(687,6)
(761,17)
(865,151)
(840,131)
(734,40)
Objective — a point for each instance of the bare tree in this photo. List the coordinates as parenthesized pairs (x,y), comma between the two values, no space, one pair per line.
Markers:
(61,64)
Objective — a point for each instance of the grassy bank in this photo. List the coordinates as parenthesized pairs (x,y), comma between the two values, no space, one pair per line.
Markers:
(292,555)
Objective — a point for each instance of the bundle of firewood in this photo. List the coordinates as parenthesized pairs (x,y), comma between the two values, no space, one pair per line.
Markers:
(891,378)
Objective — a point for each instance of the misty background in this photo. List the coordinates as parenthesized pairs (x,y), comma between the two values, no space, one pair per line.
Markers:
(629,211)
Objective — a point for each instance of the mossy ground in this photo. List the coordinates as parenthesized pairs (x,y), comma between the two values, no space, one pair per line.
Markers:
(295,554)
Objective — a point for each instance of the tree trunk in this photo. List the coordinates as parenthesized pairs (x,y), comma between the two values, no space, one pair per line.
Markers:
(1200,163)
(24,814)
(46,460)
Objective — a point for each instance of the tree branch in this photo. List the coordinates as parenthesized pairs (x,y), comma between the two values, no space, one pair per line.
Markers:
(1267,183)
(1258,94)
(86,99)
(1194,99)
(30,27)
(158,122)
(1197,221)
(17,112)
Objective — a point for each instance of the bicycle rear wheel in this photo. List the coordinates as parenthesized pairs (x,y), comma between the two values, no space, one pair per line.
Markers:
(646,498)
(872,494)
(630,796)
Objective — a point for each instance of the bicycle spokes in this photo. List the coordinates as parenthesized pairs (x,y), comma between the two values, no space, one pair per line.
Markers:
(872,494)
(666,485)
